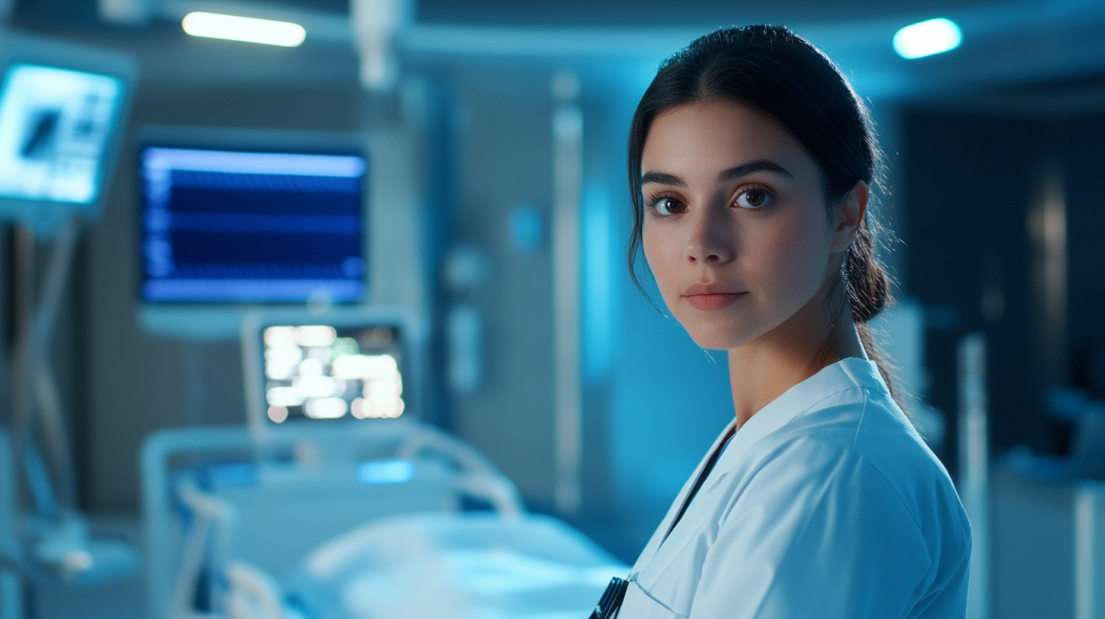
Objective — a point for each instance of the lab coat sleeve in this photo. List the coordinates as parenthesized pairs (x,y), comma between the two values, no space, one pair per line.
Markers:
(817,533)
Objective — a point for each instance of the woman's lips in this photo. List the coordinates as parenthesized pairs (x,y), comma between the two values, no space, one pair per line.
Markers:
(713,302)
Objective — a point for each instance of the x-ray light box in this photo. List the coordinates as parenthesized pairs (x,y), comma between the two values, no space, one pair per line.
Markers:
(63,107)
(54,128)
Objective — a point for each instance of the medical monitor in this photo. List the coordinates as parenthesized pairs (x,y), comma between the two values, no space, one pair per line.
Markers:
(62,108)
(238,225)
(340,369)
(321,372)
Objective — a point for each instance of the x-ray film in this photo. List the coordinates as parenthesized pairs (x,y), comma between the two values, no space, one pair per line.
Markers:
(54,129)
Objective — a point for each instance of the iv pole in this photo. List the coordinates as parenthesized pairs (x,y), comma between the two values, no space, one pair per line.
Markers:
(37,403)
(59,542)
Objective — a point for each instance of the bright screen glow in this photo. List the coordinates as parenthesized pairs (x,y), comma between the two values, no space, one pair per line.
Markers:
(245,29)
(927,38)
(230,226)
(54,129)
(320,372)
(385,472)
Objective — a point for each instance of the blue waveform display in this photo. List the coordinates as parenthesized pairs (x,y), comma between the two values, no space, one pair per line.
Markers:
(231,226)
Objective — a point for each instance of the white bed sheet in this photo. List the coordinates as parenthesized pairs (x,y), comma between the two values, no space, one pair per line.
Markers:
(455,566)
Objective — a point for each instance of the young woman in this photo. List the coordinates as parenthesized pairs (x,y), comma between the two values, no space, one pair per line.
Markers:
(751,163)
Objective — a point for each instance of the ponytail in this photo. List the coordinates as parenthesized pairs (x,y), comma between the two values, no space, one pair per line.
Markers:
(867,291)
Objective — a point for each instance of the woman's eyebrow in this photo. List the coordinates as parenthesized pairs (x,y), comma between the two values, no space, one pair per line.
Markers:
(760,165)
(662,178)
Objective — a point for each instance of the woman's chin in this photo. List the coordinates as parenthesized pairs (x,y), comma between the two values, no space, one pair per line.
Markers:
(716,337)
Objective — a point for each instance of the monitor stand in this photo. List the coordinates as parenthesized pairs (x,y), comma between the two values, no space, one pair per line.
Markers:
(57,541)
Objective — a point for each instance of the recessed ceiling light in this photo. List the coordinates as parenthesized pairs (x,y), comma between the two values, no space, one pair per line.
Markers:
(247,29)
(927,38)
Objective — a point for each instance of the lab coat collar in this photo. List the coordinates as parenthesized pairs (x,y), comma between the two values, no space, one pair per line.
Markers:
(665,537)
(843,375)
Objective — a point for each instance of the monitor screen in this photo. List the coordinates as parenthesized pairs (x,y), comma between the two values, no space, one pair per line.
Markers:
(239,226)
(321,372)
(54,131)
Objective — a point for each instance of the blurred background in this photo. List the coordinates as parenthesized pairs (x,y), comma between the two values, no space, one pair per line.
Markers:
(480,151)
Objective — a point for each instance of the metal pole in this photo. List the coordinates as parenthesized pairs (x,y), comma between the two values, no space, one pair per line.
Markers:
(974,473)
(567,125)
(44,385)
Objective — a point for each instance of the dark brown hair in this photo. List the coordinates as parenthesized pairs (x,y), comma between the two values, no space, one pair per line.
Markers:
(775,72)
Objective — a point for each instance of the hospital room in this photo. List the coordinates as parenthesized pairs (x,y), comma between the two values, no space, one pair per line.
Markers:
(420,309)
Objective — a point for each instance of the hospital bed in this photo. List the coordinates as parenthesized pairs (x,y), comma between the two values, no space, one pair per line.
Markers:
(348,519)
(399,535)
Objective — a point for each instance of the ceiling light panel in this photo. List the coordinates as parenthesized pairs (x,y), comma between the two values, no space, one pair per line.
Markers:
(246,29)
(926,38)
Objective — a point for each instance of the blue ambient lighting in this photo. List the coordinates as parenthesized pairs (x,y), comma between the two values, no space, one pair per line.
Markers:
(385,472)
(926,38)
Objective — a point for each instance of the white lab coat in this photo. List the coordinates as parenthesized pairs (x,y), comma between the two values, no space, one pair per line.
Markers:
(826,504)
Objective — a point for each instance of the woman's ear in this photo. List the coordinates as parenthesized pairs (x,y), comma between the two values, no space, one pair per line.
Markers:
(849,217)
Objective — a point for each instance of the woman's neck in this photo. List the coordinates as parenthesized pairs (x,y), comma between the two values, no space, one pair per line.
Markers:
(762,370)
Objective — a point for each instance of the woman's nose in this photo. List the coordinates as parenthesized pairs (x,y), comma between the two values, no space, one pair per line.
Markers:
(708,240)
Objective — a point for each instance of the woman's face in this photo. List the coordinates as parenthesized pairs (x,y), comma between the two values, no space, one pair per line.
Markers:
(735,228)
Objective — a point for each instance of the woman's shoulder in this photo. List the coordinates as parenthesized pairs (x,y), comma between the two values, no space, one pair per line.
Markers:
(844,419)
(863,424)
(858,412)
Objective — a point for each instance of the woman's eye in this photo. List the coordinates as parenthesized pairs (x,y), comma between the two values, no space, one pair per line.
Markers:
(667,206)
(753,198)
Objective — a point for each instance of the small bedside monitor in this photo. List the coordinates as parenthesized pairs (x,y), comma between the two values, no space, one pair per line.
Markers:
(323,372)
(341,369)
